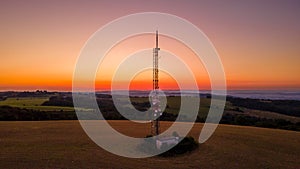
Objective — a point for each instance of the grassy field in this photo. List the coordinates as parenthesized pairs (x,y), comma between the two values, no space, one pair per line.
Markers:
(33,103)
(265,114)
(63,144)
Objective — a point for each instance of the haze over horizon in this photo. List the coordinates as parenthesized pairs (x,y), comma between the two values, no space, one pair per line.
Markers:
(257,41)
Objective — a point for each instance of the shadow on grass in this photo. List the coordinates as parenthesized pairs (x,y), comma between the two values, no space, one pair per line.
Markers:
(186,145)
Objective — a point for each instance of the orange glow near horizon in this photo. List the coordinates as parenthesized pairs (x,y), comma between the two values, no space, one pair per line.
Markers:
(143,81)
(40,43)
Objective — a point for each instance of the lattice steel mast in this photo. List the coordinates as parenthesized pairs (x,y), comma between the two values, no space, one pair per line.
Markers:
(155,97)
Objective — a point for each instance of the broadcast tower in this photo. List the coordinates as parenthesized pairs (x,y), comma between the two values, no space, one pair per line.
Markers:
(155,95)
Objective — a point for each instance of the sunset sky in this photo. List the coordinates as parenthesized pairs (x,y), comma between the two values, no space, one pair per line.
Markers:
(258,41)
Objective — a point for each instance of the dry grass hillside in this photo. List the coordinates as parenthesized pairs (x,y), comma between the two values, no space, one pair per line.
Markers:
(63,144)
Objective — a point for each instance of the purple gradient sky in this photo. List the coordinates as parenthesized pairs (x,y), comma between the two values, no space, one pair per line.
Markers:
(258,40)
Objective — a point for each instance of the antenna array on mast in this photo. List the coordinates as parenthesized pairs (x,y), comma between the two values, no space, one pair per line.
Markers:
(155,97)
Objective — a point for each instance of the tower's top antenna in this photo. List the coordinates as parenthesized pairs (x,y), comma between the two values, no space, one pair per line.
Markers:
(156,38)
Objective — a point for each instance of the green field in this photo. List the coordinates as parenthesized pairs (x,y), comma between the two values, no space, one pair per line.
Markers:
(33,103)
(63,144)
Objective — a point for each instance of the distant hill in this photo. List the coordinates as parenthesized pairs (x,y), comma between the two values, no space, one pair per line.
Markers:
(43,105)
(287,107)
